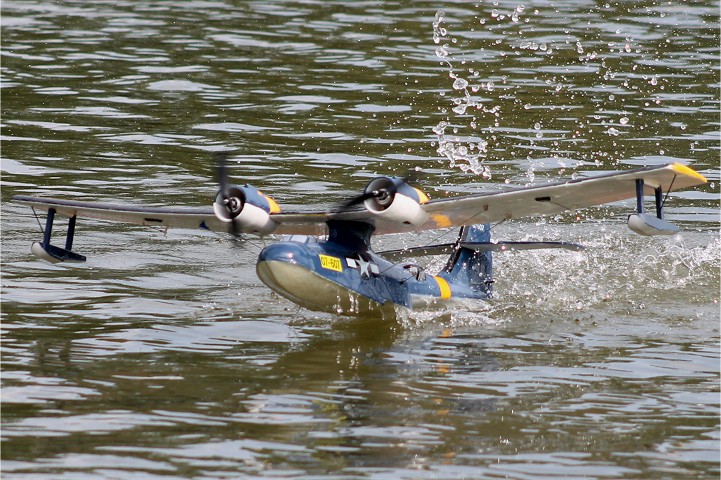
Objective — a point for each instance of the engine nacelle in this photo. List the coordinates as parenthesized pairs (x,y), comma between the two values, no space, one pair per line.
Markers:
(247,207)
(395,200)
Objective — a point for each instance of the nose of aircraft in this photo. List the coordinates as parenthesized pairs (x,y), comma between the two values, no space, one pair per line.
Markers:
(286,268)
(285,252)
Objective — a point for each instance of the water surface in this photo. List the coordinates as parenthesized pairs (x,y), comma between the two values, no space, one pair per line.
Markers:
(165,357)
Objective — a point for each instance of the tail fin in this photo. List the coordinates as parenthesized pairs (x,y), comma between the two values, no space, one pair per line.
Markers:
(471,267)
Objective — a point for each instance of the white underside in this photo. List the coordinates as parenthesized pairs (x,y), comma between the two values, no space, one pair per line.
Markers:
(314,292)
(37,249)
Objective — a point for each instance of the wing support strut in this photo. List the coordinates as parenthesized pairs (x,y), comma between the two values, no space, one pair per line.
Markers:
(45,251)
(645,223)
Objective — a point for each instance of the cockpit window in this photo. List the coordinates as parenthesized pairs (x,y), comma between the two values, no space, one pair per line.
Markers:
(299,239)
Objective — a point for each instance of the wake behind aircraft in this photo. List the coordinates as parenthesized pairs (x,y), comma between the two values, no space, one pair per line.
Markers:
(325,262)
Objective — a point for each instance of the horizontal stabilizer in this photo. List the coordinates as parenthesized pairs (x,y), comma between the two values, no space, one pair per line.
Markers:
(506,246)
(447,248)
(648,225)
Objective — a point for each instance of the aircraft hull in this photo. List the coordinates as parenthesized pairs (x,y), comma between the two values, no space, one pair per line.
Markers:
(313,291)
(327,276)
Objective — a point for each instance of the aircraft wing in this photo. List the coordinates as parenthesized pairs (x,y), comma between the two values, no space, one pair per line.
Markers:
(555,198)
(174,217)
(492,207)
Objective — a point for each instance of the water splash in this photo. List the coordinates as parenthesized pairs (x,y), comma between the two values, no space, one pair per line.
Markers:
(465,153)
(474,120)
(617,274)
(624,273)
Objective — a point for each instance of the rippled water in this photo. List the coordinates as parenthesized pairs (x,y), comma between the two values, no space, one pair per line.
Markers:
(165,357)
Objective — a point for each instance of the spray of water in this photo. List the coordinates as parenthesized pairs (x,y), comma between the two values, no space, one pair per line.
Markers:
(483,112)
(466,153)
(618,274)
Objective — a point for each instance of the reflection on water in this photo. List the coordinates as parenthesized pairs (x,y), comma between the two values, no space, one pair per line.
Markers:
(164,356)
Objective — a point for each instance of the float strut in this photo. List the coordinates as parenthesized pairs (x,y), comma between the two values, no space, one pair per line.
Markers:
(71,233)
(48,227)
(658,192)
(639,195)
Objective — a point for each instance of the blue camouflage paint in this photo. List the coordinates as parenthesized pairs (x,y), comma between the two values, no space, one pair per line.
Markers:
(471,271)
(372,276)
(254,197)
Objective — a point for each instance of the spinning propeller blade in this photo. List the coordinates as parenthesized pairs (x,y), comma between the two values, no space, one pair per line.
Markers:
(233,204)
(383,195)
(380,193)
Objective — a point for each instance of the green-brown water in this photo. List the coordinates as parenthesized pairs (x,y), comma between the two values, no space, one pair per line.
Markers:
(164,357)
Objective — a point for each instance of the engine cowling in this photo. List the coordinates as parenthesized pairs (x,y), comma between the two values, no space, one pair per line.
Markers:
(247,207)
(393,199)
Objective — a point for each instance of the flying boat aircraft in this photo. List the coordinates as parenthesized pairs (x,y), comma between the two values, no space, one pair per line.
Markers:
(325,262)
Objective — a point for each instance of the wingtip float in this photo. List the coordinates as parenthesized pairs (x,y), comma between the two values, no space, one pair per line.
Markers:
(341,273)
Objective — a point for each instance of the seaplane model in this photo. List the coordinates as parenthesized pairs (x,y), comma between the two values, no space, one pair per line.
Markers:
(325,261)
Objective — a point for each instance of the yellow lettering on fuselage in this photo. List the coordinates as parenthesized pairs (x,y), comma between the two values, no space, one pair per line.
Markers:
(331,263)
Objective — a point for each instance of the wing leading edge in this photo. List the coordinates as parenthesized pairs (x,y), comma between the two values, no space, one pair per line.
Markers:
(547,199)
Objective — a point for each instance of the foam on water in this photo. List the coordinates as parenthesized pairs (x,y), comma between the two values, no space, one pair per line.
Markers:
(617,272)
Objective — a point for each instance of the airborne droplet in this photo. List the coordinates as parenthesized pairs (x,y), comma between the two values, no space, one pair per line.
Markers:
(460,84)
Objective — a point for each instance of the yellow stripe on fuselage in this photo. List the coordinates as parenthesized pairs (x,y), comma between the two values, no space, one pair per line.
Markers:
(445,288)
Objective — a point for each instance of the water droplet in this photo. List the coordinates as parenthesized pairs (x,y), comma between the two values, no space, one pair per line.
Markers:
(579,47)
(460,84)
(623,120)
(654,80)
(460,109)
(516,12)
(612,131)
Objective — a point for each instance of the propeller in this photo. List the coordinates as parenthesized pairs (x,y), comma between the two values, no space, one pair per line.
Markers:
(383,196)
(383,190)
(229,196)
